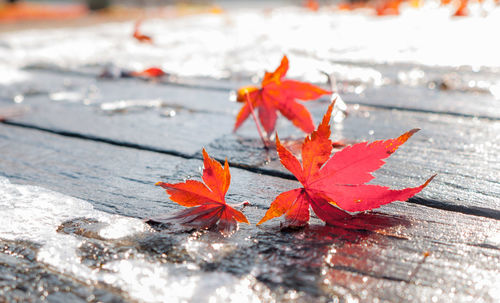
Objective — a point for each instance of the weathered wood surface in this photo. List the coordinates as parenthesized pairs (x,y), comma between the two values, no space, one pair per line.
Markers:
(24,280)
(467,181)
(379,255)
(438,90)
(443,246)
(457,103)
(459,91)
(107,141)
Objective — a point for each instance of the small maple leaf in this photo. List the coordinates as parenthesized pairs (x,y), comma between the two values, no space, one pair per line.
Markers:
(278,94)
(462,9)
(312,5)
(152,72)
(334,185)
(139,36)
(388,7)
(206,201)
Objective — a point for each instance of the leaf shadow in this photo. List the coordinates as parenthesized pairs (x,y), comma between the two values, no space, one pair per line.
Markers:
(372,221)
(298,258)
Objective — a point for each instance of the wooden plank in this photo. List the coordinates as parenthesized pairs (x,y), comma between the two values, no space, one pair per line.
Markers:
(419,99)
(149,129)
(463,152)
(460,91)
(81,88)
(467,181)
(378,255)
(25,280)
(460,100)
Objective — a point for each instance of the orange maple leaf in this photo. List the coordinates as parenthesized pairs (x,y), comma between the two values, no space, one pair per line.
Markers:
(278,94)
(312,5)
(333,184)
(139,36)
(206,201)
(152,72)
(462,9)
(388,7)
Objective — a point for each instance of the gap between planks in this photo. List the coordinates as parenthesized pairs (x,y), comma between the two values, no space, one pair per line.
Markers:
(443,205)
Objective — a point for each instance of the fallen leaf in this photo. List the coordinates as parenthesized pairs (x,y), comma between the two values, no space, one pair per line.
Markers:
(206,200)
(12,12)
(139,36)
(152,72)
(278,94)
(462,9)
(334,184)
(312,5)
(388,8)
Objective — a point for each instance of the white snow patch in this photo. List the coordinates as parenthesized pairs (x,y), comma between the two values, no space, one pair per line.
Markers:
(253,40)
(34,213)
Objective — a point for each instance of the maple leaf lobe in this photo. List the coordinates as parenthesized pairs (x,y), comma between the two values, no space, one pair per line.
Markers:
(400,140)
(334,184)
(206,200)
(139,36)
(281,204)
(278,94)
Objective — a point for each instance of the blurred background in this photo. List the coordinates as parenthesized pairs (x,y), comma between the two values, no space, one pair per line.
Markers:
(429,45)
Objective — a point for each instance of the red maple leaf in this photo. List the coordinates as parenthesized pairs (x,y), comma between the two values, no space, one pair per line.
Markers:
(206,201)
(152,72)
(278,94)
(332,184)
(312,5)
(139,36)
(462,9)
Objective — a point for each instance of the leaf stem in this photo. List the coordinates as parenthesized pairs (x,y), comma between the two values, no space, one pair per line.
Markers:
(255,120)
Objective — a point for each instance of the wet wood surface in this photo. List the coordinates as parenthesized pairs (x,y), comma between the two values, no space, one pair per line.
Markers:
(466,182)
(441,246)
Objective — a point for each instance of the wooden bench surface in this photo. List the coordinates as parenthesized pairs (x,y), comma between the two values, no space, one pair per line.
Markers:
(442,245)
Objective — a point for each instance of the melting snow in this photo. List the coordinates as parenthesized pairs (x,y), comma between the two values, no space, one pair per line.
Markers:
(34,213)
(249,41)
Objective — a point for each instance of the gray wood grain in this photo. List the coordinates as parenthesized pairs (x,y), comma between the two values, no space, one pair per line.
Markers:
(25,280)
(462,94)
(463,151)
(377,255)
(421,99)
